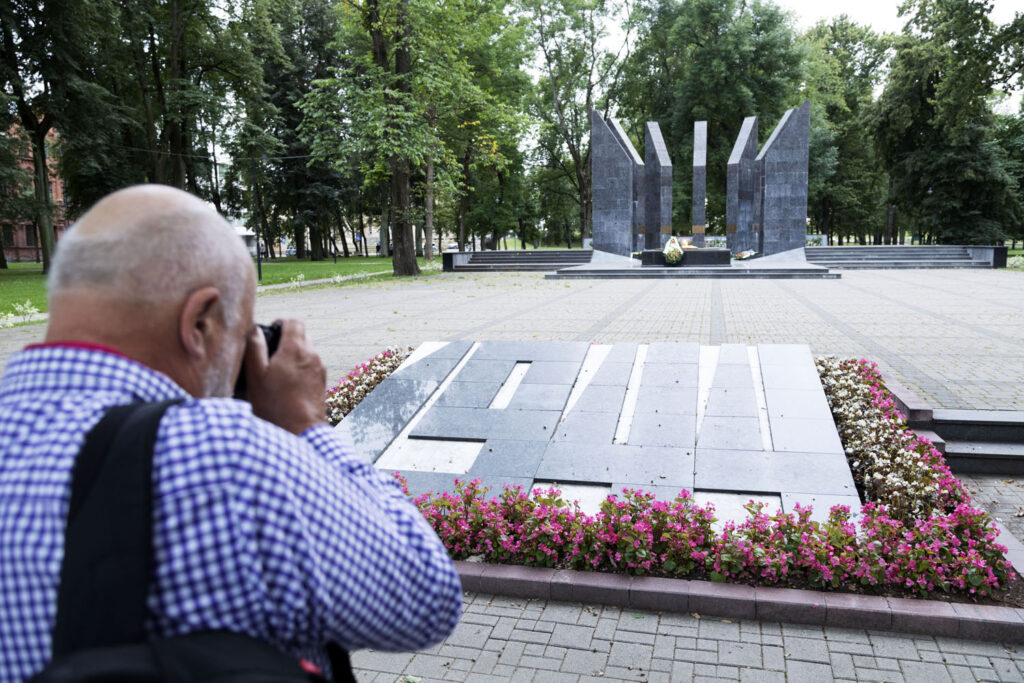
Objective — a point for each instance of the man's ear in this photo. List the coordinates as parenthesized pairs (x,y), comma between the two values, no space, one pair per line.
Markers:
(199,320)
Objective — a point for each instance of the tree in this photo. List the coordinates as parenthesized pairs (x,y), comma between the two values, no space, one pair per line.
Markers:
(708,60)
(934,129)
(577,76)
(42,49)
(847,189)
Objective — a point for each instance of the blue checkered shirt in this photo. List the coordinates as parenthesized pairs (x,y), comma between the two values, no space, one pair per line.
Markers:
(292,539)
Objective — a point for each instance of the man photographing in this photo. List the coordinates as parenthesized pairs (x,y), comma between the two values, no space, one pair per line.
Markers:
(265,522)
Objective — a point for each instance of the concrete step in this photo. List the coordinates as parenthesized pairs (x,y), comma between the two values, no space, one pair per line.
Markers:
(899,265)
(694,273)
(497,267)
(985,457)
(988,426)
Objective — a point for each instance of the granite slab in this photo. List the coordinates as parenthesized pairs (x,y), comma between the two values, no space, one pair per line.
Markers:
(531,351)
(666,400)
(613,374)
(601,399)
(731,402)
(632,465)
(483,424)
(673,352)
(552,372)
(622,353)
(662,429)
(731,433)
(501,458)
(733,376)
(669,375)
(540,397)
(476,370)
(588,428)
(468,394)
(805,435)
(805,403)
(772,472)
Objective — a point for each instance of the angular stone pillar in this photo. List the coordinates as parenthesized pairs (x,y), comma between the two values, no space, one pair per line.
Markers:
(613,189)
(739,206)
(700,180)
(783,162)
(637,221)
(657,195)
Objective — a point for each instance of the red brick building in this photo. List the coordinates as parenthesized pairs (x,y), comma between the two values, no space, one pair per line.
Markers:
(20,239)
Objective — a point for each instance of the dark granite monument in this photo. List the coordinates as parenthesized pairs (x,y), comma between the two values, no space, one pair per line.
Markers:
(657,195)
(782,164)
(700,181)
(637,221)
(614,165)
(741,231)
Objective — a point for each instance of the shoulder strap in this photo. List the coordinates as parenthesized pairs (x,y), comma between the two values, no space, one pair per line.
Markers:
(108,544)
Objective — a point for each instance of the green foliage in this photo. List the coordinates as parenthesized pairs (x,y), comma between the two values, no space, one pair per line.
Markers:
(934,129)
(715,61)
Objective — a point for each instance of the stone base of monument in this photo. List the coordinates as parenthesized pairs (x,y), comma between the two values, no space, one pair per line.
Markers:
(706,257)
(729,423)
(691,257)
(787,265)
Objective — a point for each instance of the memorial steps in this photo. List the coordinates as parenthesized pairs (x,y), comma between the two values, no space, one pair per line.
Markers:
(894,257)
(678,273)
(525,260)
(982,441)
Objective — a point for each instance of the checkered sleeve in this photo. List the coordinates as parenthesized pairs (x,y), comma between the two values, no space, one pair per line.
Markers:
(348,557)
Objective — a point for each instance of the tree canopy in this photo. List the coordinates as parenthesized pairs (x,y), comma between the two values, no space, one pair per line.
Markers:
(431,121)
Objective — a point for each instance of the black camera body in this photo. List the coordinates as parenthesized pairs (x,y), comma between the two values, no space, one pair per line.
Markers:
(272,333)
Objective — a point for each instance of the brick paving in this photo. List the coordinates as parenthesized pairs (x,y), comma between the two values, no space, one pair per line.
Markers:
(951,336)
(509,639)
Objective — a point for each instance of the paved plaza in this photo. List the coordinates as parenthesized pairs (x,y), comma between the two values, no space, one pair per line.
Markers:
(953,337)
(510,639)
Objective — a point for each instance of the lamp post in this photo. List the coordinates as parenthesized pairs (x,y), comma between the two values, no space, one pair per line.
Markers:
(256,217)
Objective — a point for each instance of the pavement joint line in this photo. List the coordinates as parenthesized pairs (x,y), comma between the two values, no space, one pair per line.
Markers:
(933,386)
(983,332)
(740,601)
(718,333)
(588,334)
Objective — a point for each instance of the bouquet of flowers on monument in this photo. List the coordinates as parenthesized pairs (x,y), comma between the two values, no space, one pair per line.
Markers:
(673,252)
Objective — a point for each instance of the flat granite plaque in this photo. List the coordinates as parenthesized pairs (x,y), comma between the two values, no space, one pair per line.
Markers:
(723,422)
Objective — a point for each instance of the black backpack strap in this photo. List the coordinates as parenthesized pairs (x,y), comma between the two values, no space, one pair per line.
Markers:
(108,544)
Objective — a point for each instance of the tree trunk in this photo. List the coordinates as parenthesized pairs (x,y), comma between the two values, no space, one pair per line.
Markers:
(404,259)
(889,218)
(316,243)
(384,232)
(464,199)
(362,234)
(299,236)
(341,232)
(428,222)
(41,185)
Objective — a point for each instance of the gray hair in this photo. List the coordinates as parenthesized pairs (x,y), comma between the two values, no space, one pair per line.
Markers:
(159,258)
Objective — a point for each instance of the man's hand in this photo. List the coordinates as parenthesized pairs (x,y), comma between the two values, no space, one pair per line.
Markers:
(287,388)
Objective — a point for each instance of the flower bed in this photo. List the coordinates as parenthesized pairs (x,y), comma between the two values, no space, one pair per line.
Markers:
(360,381)
(917,532)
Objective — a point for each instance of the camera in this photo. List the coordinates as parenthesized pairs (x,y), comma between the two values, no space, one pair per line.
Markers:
(272,333)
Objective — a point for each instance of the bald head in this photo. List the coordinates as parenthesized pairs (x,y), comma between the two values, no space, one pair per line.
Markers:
(158,275)
(151,244)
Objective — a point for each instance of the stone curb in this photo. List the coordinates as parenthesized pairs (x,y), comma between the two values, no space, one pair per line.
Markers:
(737,601)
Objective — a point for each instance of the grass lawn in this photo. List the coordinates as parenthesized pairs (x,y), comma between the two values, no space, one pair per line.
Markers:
(287,269)
(21,281)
